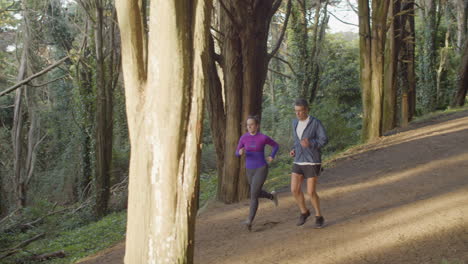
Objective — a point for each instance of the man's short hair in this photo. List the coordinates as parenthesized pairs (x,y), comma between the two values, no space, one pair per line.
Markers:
(302,102)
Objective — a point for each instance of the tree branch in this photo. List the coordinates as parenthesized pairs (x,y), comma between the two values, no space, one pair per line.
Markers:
(49,82)
(279,73)
(352,7)
(287,63)
(17,248)
(344,22)
(25,81)
(275,6)
(285,25)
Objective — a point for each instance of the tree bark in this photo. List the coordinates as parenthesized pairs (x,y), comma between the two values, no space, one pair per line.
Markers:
(217,114)
(462,10)
(428,56)
(460,96)
(406,63)
(104,122)
(372,45)
(389,114)
(245,60)
(24,145)
(164,108)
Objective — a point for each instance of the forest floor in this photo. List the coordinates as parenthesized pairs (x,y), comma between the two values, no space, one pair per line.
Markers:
(402,199)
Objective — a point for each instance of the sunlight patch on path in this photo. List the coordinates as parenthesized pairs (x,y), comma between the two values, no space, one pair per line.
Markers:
(422,220)
(390,178)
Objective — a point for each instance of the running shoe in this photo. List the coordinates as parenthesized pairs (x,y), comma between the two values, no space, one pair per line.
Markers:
(275,197)
(303,218)
(319,221)
(248,225)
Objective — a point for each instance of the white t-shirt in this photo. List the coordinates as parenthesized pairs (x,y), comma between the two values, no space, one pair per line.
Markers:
(300,130)
(301,127)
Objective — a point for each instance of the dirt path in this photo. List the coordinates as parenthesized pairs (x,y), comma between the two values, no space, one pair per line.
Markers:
(403,199)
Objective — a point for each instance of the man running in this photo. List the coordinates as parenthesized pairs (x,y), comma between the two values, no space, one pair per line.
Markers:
(309,137)
(253,145)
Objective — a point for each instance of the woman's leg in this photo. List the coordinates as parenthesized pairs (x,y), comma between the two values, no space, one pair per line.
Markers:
(256,184)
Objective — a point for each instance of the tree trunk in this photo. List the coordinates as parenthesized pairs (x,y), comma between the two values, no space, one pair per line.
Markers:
(460,96)
(233,80)
(300,39)
(245,61)
(217,114)
(104,122)
(17,132)
(164,108)
(441,101)
(24,145)
(372,46)
(428,56)
(406,63)
(389,114)
(462,10)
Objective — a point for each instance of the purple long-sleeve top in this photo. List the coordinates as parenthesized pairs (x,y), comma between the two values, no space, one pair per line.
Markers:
(254,147)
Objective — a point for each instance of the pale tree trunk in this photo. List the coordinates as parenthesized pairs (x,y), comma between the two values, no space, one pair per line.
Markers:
(24,145)
(406,63)
(389,114)
(442,73)
(365,64)
(462,10)
(17,133)
(372,45)
(460,95)
(164,100)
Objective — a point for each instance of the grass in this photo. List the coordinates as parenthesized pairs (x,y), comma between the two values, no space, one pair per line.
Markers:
(66,233)
(419,119)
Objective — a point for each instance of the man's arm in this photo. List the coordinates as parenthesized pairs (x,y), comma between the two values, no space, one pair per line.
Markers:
(321,138)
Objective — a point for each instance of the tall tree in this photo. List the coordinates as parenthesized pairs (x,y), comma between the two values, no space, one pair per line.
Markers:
(428,56)
(164,95)
(389,111)
(372,46)
(462,11)
(244,57)
(406,73)
(307,45)
(107,72)
(460,96)
(25,144)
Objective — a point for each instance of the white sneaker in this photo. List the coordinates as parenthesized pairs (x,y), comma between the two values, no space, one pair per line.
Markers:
(275,197)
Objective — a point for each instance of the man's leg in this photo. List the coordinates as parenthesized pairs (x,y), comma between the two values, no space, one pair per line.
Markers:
(314,198)
(296,181)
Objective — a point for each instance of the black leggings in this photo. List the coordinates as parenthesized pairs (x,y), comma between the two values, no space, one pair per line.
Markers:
(256,178)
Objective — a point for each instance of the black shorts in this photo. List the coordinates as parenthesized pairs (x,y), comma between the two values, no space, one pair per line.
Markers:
(309,171)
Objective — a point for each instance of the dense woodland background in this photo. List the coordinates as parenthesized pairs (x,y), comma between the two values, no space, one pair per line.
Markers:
(64,136)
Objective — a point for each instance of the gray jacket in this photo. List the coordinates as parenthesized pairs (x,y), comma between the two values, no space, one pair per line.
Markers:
(317,136)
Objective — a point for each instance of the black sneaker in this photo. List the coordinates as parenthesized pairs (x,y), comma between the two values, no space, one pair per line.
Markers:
(319,221)
(275,197)
(303,218)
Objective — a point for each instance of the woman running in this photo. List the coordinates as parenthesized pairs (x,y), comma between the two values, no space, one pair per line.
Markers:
(253,144)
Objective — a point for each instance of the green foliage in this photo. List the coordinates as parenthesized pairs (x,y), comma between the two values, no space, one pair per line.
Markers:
(208,186)
(74,234)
